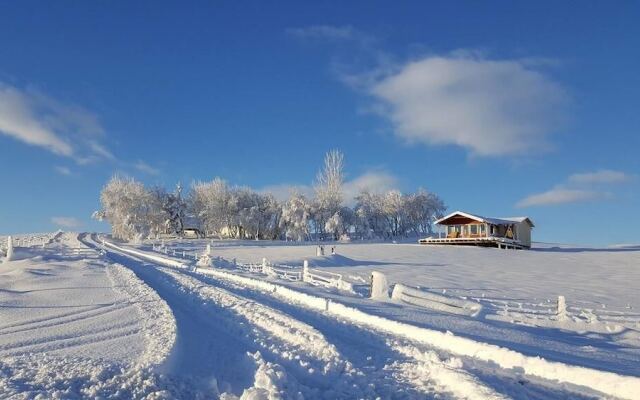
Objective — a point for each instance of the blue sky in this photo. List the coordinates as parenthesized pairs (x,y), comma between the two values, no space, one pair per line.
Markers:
(509,108)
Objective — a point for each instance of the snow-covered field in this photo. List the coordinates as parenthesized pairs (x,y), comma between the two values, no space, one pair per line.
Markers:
(79,319)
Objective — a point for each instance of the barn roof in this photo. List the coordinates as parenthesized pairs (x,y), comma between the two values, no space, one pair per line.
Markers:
(490,220)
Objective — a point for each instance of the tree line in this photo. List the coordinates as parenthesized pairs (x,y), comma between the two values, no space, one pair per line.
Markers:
(221,210)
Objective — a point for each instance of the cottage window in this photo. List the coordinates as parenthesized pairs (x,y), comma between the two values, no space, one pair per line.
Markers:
(474,229)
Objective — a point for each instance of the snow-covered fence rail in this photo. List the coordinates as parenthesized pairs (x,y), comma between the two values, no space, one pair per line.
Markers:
(434,301)
(324,278)
(288,274)
(253,268)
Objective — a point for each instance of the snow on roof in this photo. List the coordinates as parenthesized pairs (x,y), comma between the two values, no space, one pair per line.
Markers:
(490,220)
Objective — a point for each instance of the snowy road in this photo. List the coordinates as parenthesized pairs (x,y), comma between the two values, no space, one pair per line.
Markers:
(234,339)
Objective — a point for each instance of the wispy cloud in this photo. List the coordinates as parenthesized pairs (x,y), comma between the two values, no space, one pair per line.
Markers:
(62,170)
(146,168)
(39,120)
(490,107)
(601,176)
(330,32)
(587,186)
(66,222)
(560,195)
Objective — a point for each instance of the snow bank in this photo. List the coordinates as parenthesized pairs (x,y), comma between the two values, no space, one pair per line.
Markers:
(270,382)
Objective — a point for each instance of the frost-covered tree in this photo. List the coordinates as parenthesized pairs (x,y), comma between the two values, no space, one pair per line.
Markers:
(340,222)
(328,190)
(234,212)
(213,205)
(175,208)
(296,217)
(396,214)
(370,219)
(422,208)
(128,207)
(394,210)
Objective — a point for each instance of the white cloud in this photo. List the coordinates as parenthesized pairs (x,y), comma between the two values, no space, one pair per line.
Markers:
(491,107)
(66,222)
(283,191)
(39,120)
(62,170)
(373,181)
(580,187)
(146,168)
(560,195)
(601,176)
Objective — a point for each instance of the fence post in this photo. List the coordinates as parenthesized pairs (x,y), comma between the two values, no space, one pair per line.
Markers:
(264,265)
(305,271)
(562,308)
(379,286)
(9,249)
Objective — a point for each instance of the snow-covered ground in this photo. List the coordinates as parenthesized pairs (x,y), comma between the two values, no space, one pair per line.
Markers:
(80,320)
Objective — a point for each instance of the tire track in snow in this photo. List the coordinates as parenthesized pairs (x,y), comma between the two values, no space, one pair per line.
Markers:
(304,353)
(481,380)
(64,318)
(59,341)
(402,360)
(53,371)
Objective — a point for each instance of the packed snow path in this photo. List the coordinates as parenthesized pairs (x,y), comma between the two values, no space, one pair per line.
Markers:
(318,355)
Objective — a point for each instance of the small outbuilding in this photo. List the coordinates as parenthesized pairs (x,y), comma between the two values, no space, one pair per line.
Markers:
(461,228)
(192,233)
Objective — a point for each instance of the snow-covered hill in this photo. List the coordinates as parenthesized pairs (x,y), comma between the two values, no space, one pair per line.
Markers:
(80,319)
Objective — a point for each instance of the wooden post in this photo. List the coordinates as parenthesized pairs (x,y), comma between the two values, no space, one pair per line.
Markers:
(305,271)
(561,308)
(9,248)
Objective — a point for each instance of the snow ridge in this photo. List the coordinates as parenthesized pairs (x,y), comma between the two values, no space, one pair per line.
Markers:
(158,323)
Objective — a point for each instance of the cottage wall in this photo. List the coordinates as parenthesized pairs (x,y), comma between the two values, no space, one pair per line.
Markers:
(524,233)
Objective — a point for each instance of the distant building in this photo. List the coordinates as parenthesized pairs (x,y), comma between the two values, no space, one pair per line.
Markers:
(192,233)
(461,228)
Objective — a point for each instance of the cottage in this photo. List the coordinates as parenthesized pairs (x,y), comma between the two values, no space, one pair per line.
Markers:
(461,228)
